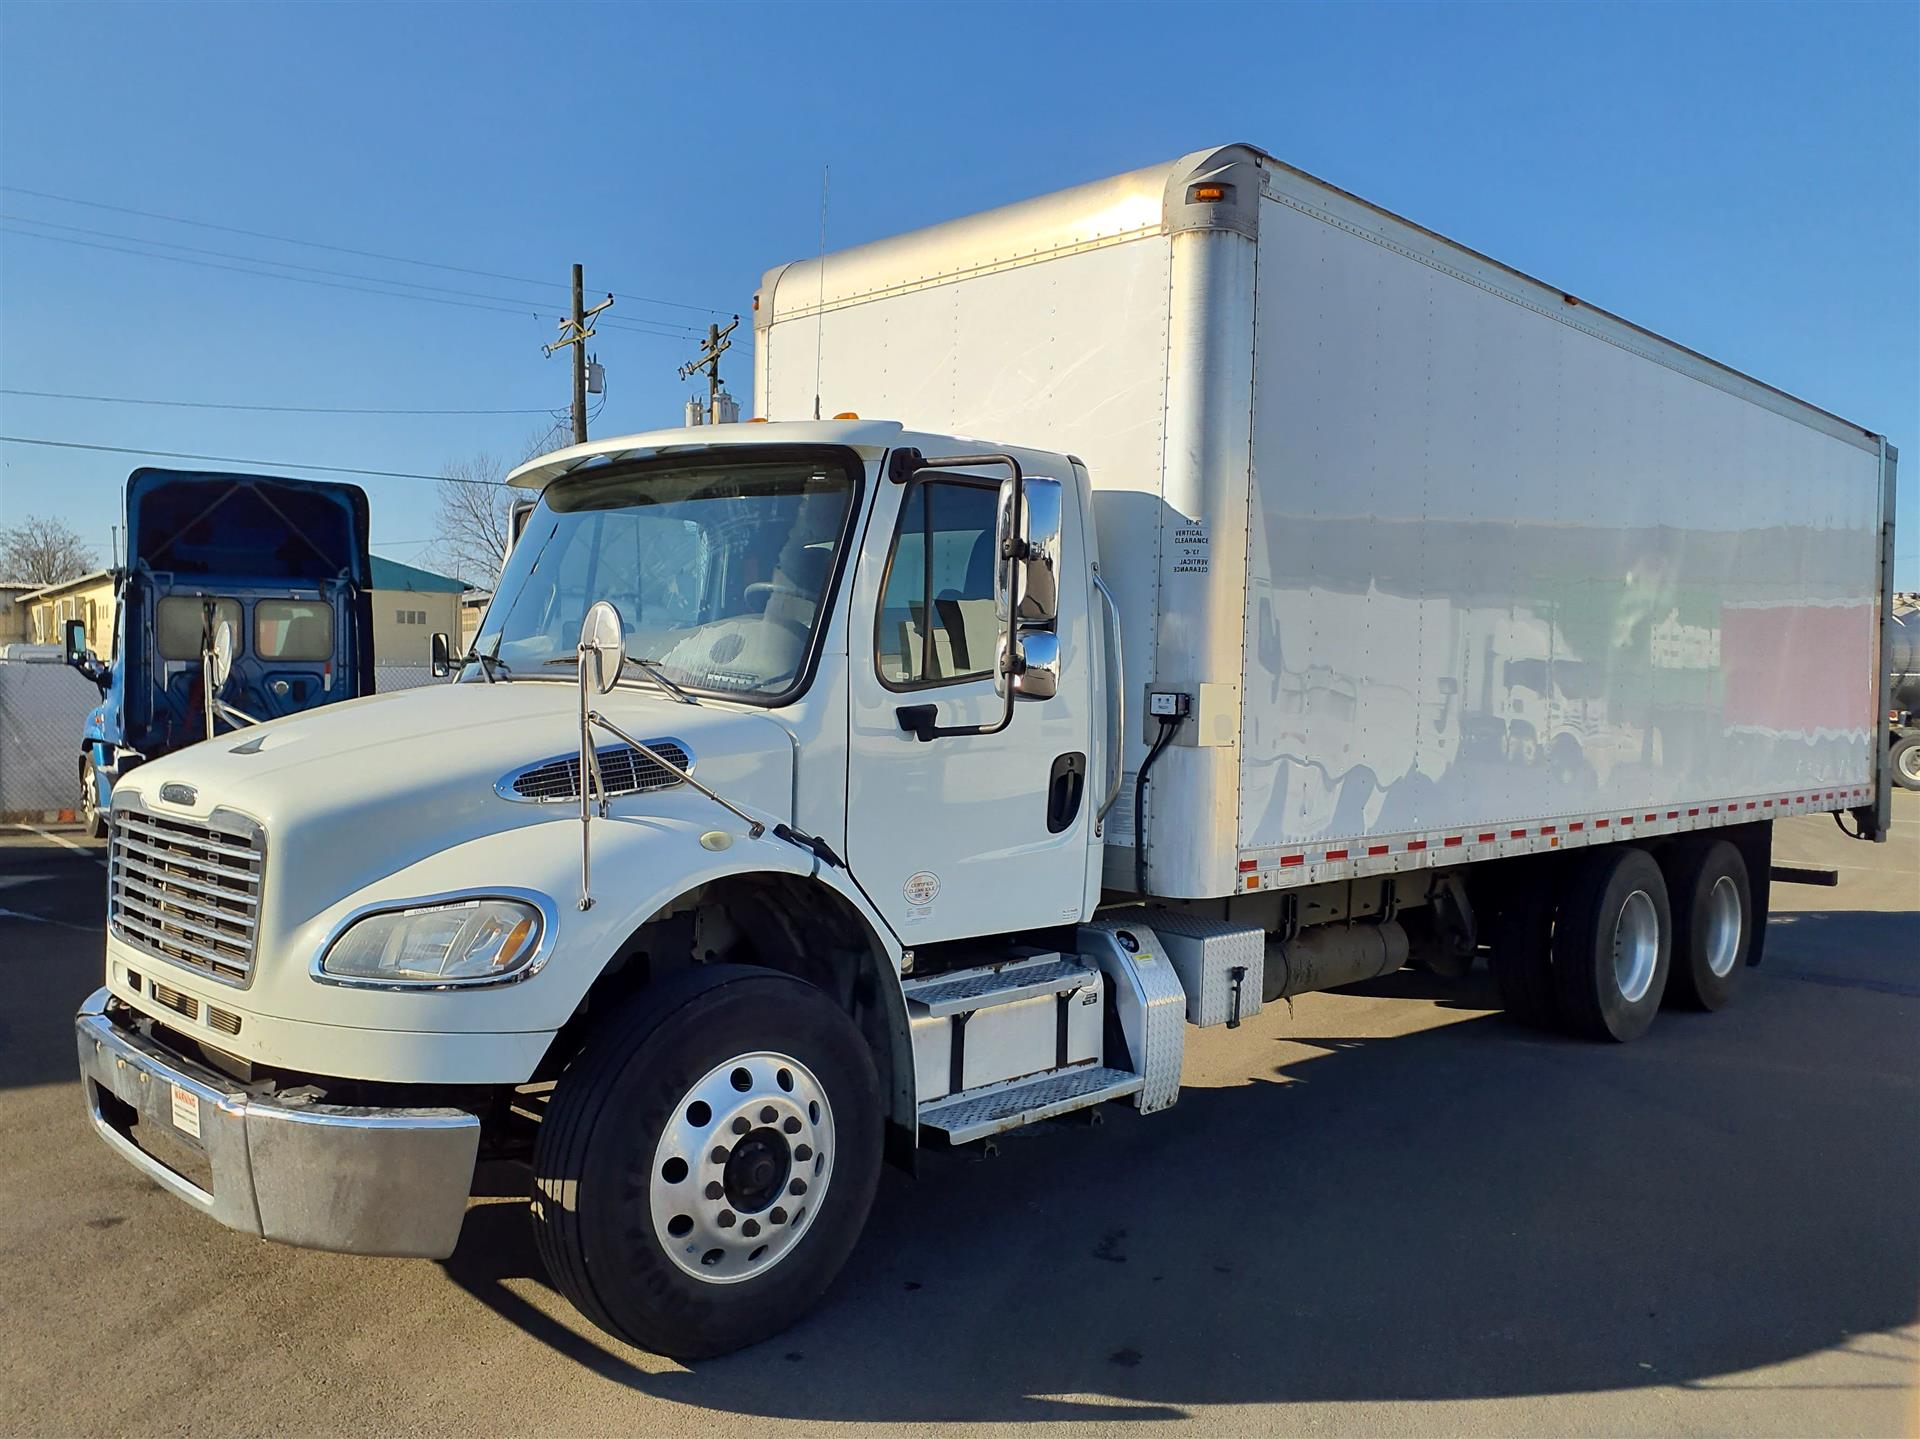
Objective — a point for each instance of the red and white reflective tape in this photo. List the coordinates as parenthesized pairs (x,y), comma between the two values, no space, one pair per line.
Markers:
(1284,867)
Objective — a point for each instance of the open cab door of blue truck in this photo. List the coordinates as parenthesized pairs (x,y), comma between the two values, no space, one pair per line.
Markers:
(282,565)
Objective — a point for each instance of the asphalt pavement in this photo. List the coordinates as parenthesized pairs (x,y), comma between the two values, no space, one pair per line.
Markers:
(1382,1210)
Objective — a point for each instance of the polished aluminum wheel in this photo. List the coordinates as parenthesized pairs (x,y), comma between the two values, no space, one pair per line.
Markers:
(1636,946)
(89,797)
(1723,926)
(741,1169)
(1907,761)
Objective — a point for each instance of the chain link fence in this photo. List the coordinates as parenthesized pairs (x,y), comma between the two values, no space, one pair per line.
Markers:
(43,710)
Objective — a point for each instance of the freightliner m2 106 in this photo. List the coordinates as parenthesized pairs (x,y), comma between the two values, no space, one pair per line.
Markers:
(1257,593)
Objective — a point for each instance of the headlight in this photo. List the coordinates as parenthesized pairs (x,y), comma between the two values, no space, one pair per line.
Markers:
(461,940)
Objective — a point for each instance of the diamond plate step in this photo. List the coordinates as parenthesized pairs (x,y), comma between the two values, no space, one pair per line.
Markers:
(971,989)
(979,1112)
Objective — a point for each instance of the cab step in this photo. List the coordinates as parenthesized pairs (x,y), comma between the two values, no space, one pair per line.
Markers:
(967,990)
(977,1113)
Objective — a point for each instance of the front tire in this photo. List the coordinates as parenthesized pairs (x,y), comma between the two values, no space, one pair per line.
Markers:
(1613,944)
(707,1162)
(92,818)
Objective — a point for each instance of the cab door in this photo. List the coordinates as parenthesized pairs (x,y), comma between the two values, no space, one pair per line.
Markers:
(973,833)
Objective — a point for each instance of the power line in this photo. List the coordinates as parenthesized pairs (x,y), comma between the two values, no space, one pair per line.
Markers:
(338,249)
(266,409)
(663,325)
(530,309)
(230,460)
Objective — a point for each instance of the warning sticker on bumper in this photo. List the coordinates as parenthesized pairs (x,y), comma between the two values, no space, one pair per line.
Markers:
(186,1110)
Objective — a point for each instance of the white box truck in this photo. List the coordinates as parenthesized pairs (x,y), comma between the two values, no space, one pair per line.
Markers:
(1255,593)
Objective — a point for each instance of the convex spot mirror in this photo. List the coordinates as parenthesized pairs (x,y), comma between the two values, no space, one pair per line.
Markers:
(220,657)
(603,650)
(1026,581)
(1036,673)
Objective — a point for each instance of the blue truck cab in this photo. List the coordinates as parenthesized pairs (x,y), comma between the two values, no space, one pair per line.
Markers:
(280,565)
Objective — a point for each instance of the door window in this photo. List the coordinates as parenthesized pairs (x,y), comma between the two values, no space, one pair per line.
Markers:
(937,622)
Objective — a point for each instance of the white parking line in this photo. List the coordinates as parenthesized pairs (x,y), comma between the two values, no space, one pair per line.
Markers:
(62,841)
(42,919)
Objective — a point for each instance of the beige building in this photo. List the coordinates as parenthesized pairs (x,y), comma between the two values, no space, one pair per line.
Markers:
(16,624)
(88,598)
(409,605)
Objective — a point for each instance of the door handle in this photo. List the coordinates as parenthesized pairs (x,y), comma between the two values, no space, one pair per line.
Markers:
(920,721)
(1065,785)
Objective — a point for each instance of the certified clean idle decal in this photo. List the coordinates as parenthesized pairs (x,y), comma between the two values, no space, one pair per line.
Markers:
(920,891)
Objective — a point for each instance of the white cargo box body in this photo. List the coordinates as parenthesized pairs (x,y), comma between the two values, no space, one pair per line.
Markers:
(1451,564)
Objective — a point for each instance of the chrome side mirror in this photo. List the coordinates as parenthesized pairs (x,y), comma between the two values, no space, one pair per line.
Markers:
(1026,586)
(75,636)
(442,652)
(1038,600)
(603,646)
(1003,541)
(220,657)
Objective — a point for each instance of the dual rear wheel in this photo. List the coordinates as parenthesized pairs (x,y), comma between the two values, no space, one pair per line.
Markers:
(1594,943)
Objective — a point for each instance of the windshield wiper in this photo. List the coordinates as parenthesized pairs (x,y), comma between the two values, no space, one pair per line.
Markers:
(487,663)
(651,669)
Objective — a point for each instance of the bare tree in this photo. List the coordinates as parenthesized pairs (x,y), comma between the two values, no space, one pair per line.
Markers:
(43,551)
(472,516)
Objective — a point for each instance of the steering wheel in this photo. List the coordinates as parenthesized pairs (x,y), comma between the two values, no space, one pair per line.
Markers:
(767,589)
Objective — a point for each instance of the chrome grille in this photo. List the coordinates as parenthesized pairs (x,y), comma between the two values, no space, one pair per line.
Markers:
(186,891)
(623,769)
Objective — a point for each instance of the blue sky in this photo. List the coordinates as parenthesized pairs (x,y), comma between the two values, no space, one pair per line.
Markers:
(1744,180)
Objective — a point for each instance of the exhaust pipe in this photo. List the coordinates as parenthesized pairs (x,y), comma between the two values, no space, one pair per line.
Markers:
(1332,956)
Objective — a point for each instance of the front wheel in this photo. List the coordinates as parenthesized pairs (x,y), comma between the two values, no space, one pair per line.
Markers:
(706,1164)
(92,818)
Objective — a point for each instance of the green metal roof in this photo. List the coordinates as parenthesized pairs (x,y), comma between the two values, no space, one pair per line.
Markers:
(392,575)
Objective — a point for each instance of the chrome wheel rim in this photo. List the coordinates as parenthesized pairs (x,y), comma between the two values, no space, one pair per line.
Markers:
(1723,926)
(89,795)
(1909,762)
(742,1167)
(1636,946)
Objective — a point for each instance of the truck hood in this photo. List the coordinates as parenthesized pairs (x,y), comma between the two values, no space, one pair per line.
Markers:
(351,792)
(259,526)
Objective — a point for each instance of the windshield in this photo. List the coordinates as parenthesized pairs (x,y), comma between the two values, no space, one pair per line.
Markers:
(719,565)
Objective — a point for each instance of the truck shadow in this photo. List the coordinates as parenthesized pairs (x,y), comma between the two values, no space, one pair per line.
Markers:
(1471,1211)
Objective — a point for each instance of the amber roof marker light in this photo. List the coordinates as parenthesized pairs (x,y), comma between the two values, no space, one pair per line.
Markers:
(1208,194)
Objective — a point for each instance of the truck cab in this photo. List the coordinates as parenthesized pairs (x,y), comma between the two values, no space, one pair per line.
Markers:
(281,564)
(752,721)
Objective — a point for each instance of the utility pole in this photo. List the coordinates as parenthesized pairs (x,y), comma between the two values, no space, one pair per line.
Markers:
(715,345)
(576,330)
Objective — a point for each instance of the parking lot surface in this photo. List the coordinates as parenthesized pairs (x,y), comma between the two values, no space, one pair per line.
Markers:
(1385,1209)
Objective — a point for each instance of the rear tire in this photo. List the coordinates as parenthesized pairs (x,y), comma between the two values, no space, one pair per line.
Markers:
(1906,762)
(1613,944)
(1522,939)
(657,1214)
(1712,924)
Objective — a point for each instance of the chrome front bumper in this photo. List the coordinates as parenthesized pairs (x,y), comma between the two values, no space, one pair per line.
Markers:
(322,1176)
